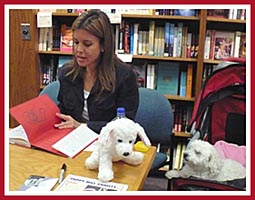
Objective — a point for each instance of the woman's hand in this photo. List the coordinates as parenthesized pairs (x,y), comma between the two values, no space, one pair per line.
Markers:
(68,122)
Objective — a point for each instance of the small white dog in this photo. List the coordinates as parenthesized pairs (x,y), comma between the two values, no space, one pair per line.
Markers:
(202,160)
(115,143)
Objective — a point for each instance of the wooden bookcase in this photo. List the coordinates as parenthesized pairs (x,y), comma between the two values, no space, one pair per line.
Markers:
(198,24)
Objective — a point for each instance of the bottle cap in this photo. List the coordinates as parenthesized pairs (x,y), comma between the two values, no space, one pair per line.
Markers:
(120,111)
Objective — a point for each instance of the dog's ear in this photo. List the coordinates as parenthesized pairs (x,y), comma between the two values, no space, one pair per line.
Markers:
(141,133)
(106,136)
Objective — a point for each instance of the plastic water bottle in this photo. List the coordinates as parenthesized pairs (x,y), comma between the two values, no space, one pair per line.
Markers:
(121,113)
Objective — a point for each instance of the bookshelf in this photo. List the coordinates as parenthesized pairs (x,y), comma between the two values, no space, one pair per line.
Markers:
(197,26)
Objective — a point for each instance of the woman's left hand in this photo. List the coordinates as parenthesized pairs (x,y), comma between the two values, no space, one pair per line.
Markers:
(68,122)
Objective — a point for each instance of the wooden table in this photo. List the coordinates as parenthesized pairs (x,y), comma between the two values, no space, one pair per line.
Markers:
(24,162)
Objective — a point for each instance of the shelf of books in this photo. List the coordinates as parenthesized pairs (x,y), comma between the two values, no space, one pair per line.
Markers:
(172,50)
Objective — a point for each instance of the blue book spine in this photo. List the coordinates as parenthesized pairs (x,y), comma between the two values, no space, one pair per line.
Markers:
(131,37)
(183,83)
(171,40)
(167,39)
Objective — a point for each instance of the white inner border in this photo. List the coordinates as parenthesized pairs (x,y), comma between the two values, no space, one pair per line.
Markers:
(137,6)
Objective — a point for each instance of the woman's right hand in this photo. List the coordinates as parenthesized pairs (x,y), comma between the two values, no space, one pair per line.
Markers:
(67,122)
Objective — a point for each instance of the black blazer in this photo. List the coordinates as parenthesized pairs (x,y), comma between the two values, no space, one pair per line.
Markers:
(71,97)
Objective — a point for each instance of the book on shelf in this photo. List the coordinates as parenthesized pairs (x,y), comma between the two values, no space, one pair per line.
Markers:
(168,77)
(207,45)
(189,80)
(151,37)
(182,155)
(242,49)
(150,76)
(182,115)
(179,153)
(194,46)
(126,38)
(171,39)
(116,37)
(37,117)
(183,83)
(45,39)
(56,43)
(131,39)
(156,40)
(159,41)
(224,44)
(81,183)
(41,43)
(167,39)
(140,42)
(145,44)
(237,44)
(220,13)
(184,12)
(135,42)
(188,45)
(179,40)
(175,41)
(66,38)
(121,38)
(38,183)
(177,156)
(184,41)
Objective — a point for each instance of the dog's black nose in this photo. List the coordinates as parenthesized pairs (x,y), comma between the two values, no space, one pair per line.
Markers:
(125,154)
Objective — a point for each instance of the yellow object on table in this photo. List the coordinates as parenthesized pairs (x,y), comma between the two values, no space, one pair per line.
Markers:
(140,146)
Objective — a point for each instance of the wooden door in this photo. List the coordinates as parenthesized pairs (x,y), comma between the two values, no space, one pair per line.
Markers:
(23,59)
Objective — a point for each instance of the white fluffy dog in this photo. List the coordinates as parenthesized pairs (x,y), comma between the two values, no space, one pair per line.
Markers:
(116,142)
(202,160)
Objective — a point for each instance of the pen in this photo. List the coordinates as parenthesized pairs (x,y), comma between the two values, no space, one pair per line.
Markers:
(62,173)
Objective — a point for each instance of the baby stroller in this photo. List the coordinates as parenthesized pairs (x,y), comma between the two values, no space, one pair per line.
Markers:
(219,114)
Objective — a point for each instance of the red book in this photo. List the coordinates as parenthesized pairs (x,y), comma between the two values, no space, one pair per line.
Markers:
(38,116)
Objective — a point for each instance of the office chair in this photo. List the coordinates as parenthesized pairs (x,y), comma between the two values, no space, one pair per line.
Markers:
(155,115)
(52,90)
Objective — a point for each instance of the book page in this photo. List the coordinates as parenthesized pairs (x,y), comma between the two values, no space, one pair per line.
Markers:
(80,183)
(18,136)
(76,141)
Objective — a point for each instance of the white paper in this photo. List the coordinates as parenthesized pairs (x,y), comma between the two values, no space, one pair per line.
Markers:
(76,141)
(80,183)
(125,57)
(91,147)
(44,19)
(115,18)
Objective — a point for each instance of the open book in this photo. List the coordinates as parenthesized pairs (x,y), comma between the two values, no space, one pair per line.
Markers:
(18,136)
(38,116)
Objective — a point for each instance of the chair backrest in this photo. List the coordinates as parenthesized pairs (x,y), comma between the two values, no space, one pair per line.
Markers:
(155,115)
(52,90)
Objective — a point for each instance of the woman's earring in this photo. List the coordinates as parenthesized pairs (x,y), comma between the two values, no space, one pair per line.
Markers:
(102,50)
